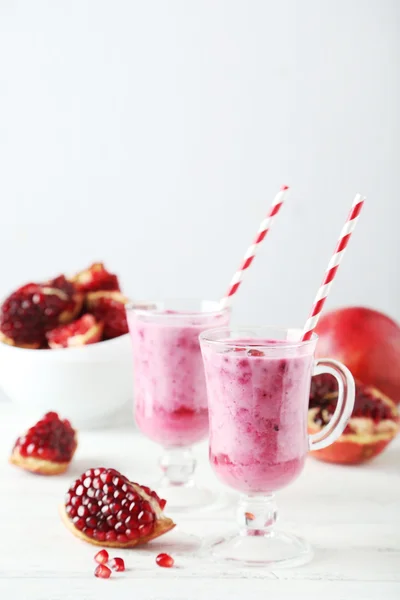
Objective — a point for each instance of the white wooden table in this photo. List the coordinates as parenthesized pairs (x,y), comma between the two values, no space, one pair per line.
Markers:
(350,515)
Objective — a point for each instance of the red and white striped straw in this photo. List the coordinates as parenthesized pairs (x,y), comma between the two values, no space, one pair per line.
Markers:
(333,266)
(251,252)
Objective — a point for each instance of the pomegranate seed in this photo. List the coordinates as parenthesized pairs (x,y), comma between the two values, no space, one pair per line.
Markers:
(255,352)
(82,511)
(117,564)
(165,560)
(79,523)
(111,521)
(145,530)
(132,534)
(101,557)
(162,503)
(102,571)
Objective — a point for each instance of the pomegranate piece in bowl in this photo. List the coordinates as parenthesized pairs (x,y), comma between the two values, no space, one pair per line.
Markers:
(373,423)
(109,308)
(104,508)
(81,332)
(95,278)
(46,448)
(32,310)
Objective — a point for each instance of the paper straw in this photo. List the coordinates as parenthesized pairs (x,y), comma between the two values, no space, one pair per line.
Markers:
(333,266)
(251,252)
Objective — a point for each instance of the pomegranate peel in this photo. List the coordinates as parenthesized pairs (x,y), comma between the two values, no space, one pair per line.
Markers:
(38,465)
(105,509)
(372,426)
(47,448)
(81,332)
(10,342)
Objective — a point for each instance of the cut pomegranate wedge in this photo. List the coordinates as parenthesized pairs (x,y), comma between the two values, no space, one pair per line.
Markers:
(81,332)
(75,297)
(95,278)
(104,508)
(47,447)
(373,423)
(109,308)
(32,310)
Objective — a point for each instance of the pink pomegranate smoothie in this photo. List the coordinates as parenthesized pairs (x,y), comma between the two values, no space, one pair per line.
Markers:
(170,391)
(258,414)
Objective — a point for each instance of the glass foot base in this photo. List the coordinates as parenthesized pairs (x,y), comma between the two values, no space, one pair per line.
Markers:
(186,497)
(273,550)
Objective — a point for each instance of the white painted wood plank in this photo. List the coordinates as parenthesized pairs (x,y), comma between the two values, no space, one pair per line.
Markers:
(81,588)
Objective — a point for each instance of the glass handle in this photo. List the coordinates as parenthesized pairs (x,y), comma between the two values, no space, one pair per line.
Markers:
(344,407)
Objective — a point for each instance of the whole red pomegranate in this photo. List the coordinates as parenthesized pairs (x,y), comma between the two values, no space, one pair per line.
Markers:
(367,342)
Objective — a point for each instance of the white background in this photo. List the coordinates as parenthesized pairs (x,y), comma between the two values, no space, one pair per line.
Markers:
(154,134)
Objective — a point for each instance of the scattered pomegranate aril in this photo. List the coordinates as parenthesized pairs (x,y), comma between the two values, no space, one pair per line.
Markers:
(117,564)
(102,571)
(101,557)
(95,278)
(367,342)
(127,517)
(47,448)
(373,424)
(109,308)
(165,560)
(81,332)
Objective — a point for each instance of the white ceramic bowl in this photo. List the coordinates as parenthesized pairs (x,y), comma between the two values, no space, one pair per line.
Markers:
(87,384)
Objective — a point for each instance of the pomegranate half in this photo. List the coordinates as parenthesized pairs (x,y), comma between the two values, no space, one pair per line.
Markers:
(373,423)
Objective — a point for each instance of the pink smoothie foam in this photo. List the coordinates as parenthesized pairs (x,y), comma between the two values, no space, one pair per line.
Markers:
(170,391)
(258,414)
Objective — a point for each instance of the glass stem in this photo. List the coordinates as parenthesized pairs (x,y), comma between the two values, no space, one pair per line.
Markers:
(178,465)
(256,515)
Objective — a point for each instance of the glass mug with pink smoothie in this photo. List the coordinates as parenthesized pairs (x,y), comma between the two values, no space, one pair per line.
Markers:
(169,387)
(258,384)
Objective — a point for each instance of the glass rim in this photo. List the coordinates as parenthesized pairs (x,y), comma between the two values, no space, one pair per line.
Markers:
(208,336)
(150,308)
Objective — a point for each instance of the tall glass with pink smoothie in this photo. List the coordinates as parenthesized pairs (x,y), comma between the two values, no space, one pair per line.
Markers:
(169,386)
(258,384)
